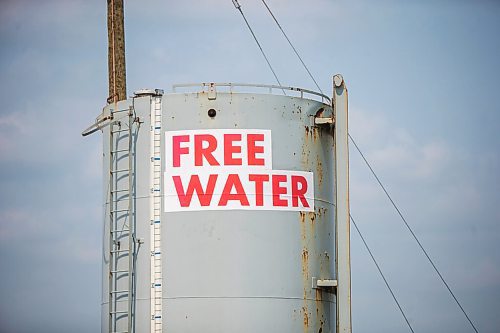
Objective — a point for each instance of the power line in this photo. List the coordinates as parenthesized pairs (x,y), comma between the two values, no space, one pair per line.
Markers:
(238,6)
(412,233)
(381,274)
(293,47)
(357,229)
(379,182)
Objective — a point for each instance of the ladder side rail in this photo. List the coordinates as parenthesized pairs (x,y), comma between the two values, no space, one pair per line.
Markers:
(131,219)
(121,224)
(111,264)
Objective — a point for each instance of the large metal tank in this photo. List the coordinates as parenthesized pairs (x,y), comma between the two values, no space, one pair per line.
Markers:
(208,269)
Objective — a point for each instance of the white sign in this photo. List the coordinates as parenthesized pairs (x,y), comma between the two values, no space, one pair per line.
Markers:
(230,169)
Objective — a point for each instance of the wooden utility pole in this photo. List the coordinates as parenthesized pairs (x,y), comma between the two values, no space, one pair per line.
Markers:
(116,52)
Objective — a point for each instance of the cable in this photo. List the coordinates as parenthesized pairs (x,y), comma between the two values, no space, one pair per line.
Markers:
(413,234)
(381,274)
(238,6)
(293,47)
(359,232)
(235,2)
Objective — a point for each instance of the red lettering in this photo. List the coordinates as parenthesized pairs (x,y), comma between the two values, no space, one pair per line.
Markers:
(204,196)
(177,150)
(298,193)
(254,149)
(277,190)
(200,152)
(233,181)
(230,149)
(259,187)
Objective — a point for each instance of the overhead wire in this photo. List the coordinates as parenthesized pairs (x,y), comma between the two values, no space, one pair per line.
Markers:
(293,47)
(357,229)
(238,7)
(372,171)
(381,273)
(413,234)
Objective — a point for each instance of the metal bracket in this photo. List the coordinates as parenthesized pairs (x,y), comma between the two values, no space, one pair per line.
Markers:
(323,121)
(323,283)
(148,92)
(101,122)
(212,93)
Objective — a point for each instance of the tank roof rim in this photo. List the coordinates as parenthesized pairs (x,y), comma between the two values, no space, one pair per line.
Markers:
(206,86)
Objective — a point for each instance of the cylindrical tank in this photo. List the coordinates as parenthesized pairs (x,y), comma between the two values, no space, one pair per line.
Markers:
(234,267)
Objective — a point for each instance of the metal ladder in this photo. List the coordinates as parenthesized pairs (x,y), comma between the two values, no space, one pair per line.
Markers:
(122,249)
(155,213)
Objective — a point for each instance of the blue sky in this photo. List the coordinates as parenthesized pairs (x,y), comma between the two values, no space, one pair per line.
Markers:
(422,79)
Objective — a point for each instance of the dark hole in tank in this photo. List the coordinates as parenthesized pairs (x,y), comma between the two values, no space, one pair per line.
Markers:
(212,113)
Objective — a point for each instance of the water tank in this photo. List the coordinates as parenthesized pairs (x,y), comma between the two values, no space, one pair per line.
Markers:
(219,213)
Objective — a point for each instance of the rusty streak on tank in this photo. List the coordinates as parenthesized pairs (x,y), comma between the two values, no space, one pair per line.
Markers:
(312,223)
(305,268)
(306,319)
(320,330)
(312,217)
(319,171)
(306,149)
(305,264)
(305,274)
(303,226)
(316,132)
(319,305)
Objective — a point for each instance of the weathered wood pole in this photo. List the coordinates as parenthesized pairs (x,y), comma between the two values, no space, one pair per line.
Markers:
(116,52)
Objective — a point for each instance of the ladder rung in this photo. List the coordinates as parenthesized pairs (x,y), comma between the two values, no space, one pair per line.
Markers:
(117,191)
(119,151)
(120,230)
(119,131)
(121,200)
(119,210)
(118,291)
(119,271)
(118,111)
(116,171)
(117,312)
(119,251)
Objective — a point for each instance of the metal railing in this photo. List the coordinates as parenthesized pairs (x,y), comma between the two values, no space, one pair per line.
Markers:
(270,87)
